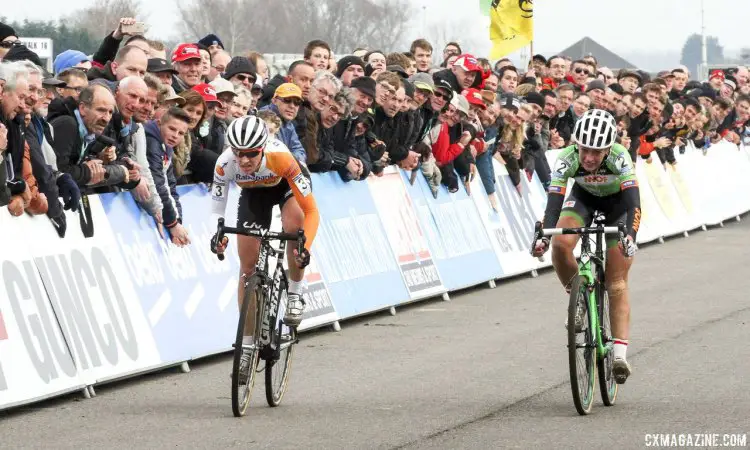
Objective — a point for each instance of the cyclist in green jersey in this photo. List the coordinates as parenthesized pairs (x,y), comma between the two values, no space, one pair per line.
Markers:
(605,181)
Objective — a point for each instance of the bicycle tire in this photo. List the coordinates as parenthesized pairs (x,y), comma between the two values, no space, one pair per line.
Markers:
(582,384)
(282,336)
(607,384)
(241,393)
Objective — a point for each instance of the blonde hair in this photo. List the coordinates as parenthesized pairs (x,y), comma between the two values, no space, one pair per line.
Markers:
(272,121)
(523,89)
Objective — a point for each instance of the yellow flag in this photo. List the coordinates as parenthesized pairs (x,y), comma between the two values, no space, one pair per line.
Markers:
(511,26)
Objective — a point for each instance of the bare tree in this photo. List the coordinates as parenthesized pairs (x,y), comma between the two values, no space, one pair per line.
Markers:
(103,16)
(288,26)
(440,33)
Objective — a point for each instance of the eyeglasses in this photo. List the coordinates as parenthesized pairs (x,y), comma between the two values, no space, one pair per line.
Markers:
(9,44)
(246,153)
(439,94)
(78,89)
(291,101)
(580,70)
(242,78)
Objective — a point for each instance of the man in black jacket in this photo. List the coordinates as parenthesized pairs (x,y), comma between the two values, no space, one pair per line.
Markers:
(389,127)
(88,159)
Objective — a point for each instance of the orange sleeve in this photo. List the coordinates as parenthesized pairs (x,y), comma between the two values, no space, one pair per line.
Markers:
(38,203)
(284,165)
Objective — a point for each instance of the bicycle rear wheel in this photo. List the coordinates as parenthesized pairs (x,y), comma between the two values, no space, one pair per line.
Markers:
(243,376)
(581,349)
(607,384)
(283,339)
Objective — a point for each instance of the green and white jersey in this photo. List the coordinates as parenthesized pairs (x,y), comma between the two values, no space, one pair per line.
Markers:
(616,173)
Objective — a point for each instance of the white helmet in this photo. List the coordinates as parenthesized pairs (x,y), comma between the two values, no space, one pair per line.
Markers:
(595,129)
(247,132)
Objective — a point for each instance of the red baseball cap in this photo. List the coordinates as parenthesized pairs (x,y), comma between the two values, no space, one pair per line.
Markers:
(717,74)
(184,52)
(469,63)
(474,96)
(207,92)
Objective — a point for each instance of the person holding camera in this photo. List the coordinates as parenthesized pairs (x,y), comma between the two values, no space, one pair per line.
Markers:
(80,146)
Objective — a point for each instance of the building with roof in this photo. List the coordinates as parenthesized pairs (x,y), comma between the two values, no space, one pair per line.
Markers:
(604,56)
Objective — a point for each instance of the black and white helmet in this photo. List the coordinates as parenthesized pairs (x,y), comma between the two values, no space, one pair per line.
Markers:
(247,132)
(595,129)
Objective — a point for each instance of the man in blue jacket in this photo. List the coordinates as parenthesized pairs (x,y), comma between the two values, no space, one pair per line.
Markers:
(161,138)
(285,103)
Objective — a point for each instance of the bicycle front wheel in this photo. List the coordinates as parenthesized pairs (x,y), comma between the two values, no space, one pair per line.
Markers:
(243,372)
(283,339)
(581,348)
(607,384)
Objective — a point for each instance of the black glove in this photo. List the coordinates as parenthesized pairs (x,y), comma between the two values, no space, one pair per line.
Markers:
(69,191)
(215,243)
(60,223)
(303,259)
(16,187)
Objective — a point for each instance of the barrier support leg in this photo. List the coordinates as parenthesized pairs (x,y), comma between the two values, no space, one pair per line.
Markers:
(185,367)
(534,273)
(92,392)
(392,310)
(661,239)
(738,218)
(685,234)
(336,326)
(721,224)
(704,227)
(492,284)
(85,392)
(446,297)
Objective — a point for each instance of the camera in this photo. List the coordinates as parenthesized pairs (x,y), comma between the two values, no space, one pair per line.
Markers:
(468,126)
(377,147)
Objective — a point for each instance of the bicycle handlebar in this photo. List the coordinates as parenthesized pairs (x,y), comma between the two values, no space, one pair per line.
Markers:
(264,235)
(540,232)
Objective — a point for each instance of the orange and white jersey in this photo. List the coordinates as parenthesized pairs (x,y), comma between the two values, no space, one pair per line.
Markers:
(277,164)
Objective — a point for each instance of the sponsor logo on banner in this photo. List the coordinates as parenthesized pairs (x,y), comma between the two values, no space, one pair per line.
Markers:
(456,237)
(352,250)
(188,296)
(405,235)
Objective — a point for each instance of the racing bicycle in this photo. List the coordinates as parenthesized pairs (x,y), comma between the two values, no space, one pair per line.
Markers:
(590,336)
(265,297)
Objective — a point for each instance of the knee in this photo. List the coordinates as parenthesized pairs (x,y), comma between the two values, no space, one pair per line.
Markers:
(617,288)
(563,244)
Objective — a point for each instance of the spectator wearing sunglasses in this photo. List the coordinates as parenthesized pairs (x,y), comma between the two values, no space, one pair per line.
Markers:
(579,73)
(241,71)
(8,38)
(286,103)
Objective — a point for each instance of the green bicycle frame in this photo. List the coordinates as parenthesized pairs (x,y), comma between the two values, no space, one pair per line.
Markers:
(586,267)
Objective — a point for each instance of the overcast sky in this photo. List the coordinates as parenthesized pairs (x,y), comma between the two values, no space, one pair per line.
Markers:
(647,25)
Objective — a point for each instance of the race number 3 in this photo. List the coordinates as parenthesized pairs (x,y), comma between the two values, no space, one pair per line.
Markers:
(303,184)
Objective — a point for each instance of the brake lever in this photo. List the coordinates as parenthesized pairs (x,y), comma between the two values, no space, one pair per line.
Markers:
(300,241)
(538,227)
(220,237)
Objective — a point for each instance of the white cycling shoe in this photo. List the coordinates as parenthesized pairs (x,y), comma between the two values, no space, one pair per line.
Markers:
(621,370)
(295,306)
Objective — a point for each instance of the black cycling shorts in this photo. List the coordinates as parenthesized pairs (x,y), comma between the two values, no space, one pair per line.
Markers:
(582,205)
(256,205)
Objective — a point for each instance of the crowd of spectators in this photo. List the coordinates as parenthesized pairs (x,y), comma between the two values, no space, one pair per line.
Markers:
(136,116)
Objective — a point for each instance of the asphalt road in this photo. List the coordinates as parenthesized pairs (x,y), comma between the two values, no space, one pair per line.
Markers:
(486,370)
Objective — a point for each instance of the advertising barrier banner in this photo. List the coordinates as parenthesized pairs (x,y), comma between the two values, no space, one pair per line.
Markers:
(405,235)
(455,234)
(35,360)
(352,250)
(92,294)
(187,295)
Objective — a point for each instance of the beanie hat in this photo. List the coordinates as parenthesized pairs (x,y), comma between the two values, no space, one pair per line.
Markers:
(6,31)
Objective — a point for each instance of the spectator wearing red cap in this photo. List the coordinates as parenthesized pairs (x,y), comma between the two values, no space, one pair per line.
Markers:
(186,59)
(716,80)
(207,138)
(463,74)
